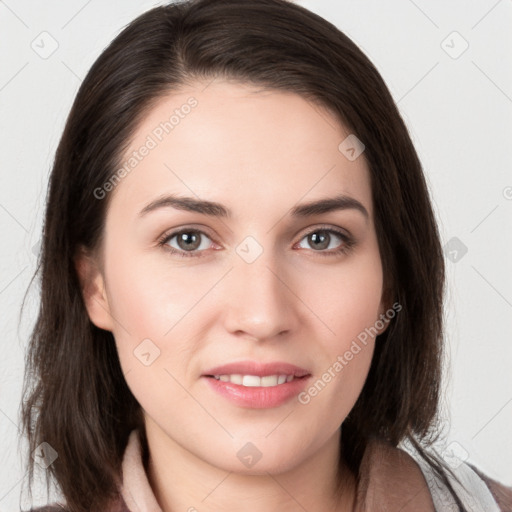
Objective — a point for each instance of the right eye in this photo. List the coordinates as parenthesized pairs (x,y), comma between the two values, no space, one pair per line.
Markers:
(187,242)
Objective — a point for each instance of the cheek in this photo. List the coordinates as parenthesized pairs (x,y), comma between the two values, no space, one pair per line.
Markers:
(347,299)
(156,309)
(150,312)
(144,309)
(334,390)
(149,297)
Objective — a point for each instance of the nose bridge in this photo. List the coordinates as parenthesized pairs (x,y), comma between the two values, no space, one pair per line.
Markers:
(259,302)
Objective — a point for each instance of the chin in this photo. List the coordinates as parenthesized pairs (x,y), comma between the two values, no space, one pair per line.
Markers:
(258,455)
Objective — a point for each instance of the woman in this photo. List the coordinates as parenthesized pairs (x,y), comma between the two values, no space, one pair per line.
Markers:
(241,279)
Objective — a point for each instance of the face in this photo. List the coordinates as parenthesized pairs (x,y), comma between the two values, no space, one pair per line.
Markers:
(213,306)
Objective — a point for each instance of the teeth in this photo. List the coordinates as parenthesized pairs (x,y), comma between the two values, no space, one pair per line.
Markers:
(236,379)
(251,381)
(255,381)
(270,380)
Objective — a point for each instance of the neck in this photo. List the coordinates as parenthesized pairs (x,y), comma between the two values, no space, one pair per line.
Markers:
(182,481)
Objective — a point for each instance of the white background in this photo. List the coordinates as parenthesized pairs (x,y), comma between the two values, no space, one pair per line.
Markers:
(458,110)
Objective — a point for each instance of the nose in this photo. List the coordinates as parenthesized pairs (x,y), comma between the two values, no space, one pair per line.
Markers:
(260,302)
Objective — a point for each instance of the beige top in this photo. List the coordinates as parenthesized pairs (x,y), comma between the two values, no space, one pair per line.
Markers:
(391,480)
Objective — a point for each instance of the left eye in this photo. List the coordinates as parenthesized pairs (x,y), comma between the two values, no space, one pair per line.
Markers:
(322,239)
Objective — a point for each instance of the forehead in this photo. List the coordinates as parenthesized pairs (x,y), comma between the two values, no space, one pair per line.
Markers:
(241,145)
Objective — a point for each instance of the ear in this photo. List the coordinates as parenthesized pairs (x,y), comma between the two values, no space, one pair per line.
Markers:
(92,284)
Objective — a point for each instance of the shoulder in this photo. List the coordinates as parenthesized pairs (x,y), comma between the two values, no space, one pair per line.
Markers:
(390,479)
(501,493)
(472,486)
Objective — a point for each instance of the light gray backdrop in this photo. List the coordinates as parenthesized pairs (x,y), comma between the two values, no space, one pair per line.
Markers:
(448,66)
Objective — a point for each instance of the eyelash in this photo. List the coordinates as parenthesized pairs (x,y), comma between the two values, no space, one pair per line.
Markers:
(346,247)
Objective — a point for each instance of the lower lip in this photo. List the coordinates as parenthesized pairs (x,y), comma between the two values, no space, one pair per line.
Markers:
(258,397)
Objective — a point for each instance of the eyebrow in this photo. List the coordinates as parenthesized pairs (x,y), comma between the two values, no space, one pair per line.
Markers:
(214,209)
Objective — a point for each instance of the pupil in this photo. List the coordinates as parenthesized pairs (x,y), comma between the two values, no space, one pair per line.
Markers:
(189,240)
(321,241)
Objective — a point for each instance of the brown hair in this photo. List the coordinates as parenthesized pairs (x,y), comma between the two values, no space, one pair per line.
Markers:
(75,395)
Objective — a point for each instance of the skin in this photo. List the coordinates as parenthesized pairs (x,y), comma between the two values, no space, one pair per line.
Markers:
(259,153)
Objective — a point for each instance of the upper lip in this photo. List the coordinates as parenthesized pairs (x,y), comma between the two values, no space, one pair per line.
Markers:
(257,368)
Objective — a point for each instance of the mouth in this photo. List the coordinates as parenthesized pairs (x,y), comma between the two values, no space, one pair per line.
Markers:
(252,381)
(256,385)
